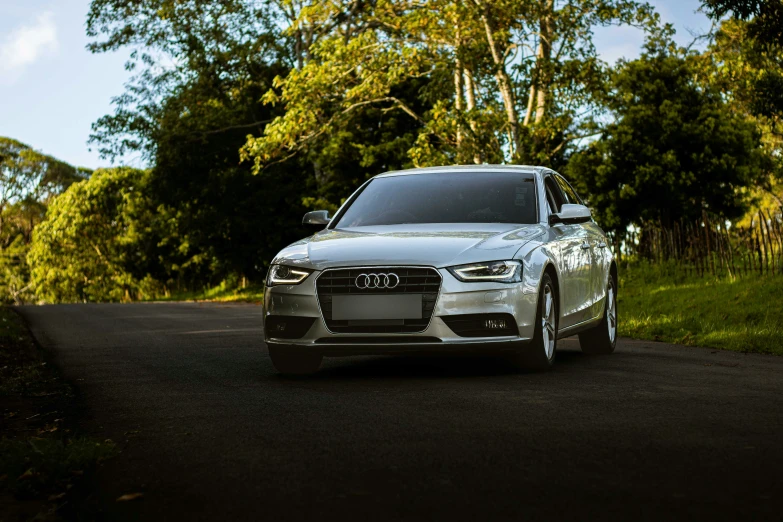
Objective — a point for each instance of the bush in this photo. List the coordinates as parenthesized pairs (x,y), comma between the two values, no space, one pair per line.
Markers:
(92,246)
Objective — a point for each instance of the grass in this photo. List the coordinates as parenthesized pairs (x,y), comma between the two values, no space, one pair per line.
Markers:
(225,292)
(744,315)
(22,369)
(46,466)
(46,470)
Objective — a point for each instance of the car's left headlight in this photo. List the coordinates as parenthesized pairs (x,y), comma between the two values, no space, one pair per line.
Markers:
(497,271)
(286,275)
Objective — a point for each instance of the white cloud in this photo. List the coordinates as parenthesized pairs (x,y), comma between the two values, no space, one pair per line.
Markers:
(26,44)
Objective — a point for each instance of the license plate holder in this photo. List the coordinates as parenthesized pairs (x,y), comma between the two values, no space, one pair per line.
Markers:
(376,307)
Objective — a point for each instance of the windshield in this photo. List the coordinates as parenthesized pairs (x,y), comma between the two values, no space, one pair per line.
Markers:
(454,197)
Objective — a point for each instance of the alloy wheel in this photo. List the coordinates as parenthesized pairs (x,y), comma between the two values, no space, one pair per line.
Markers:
(611,313)
(548,322)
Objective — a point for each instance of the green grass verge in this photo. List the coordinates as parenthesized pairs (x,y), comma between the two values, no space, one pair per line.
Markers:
(744,315)
(22,369)
(223,293)
(46,470)
(45,466)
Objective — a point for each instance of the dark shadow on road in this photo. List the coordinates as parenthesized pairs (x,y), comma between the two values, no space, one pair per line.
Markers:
(429,366)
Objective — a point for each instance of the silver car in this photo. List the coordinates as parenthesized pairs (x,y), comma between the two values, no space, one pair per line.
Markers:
(484,259)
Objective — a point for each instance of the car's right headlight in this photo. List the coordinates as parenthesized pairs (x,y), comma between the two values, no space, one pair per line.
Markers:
(286,275)
(494,271)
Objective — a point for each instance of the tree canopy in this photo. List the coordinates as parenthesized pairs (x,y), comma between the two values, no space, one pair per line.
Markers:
(674,148)
(29,180)
(510,81)
(250,112)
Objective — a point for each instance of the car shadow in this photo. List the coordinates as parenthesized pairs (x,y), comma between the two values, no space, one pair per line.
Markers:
(432,366)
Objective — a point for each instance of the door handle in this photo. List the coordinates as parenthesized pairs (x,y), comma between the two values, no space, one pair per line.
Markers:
(601,245)
(585,245)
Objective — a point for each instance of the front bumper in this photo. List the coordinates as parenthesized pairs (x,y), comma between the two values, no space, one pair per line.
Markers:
(455,298)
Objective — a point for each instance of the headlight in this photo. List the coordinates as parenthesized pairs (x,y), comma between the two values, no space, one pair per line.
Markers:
(286,275)
(498,271)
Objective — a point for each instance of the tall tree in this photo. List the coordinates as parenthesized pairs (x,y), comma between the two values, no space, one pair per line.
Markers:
(91,246)
(765,17)
(189,110)
(516,80)
(28,182)
(674,149)
(749,73)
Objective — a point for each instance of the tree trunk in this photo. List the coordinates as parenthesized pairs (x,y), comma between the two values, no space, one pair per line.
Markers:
(470,96)
(458,94)
(503,80)
(543,57)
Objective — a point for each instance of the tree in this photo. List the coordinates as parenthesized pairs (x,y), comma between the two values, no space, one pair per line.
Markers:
(28,181)
(673,150)
(94,244)
(189,121)
(750,75)
(765,17)
(515,80)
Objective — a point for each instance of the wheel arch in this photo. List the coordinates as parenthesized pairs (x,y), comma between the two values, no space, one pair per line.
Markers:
(613,273)
(551,270)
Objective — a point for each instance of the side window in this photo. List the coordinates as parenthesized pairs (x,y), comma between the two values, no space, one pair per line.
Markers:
(553,194)
(569,191)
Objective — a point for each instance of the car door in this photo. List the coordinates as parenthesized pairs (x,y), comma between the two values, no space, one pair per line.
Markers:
(575,260)
(593,245)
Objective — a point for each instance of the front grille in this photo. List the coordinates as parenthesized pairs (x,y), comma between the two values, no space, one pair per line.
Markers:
(413,280)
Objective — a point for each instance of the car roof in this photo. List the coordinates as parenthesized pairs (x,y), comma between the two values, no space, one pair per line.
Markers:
(528,169)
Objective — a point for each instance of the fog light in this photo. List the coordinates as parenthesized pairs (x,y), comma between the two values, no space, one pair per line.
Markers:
(495,324)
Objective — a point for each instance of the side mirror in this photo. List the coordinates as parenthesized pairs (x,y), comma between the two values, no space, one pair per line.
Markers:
(316,217)
(571,213)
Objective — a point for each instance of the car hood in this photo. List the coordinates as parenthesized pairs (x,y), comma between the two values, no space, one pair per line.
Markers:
(426,245)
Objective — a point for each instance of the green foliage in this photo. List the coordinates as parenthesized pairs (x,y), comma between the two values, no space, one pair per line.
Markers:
(515,80)
(321,95)
(750,74)
(40,466)
(764,16)
(673,150)
(20,366)
(39,456)
(742,315)
(90,247)
(28,181)
(191,119)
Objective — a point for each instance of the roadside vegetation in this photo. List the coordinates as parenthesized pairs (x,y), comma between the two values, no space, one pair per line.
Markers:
(743,314)
(46,468)
(225,292)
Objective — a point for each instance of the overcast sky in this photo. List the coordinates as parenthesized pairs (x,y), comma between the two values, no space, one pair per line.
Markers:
(52,89)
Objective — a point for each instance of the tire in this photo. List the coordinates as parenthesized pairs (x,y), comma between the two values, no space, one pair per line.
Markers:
(602,339)
(539,354)
(289,360)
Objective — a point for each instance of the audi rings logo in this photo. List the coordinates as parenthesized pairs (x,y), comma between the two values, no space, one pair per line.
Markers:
(365,281)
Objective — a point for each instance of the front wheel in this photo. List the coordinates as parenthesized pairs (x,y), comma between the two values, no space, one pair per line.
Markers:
(602,339)
(289,360)
(539,355)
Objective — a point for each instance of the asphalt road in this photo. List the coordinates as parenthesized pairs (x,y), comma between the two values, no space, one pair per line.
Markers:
(209,431)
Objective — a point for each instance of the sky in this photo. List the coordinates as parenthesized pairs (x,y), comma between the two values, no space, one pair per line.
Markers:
(52,89)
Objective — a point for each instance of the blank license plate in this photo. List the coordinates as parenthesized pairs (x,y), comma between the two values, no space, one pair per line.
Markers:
(366,307)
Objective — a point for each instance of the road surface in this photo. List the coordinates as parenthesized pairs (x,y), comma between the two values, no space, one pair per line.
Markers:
(209,431)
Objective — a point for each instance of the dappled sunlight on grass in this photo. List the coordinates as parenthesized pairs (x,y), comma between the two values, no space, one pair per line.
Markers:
(742,314)
(223,293)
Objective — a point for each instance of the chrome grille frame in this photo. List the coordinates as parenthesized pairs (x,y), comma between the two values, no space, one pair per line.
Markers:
(432,282)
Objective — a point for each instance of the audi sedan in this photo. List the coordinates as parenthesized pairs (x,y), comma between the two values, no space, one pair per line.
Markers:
(485,259)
